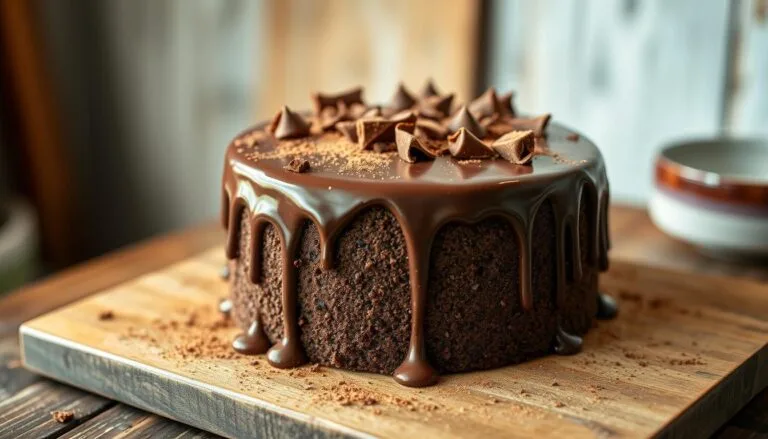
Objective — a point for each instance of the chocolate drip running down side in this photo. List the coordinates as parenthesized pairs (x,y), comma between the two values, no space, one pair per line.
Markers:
(423,197)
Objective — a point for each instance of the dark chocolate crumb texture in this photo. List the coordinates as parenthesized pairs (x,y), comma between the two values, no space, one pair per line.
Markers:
(418,237)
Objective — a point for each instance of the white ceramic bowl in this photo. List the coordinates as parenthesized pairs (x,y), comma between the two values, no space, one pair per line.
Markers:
(714,194)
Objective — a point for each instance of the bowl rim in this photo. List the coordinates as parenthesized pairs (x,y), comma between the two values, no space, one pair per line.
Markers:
(726,192)
(710,178)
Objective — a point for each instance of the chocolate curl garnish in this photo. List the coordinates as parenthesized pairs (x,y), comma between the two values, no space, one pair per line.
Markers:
(330,116)
(505,104)
(486,105)
(464,119)
(349,97)
(409,147)
(537,124)
(406,116)
(429,89)
(431,129)
(516,146)
(402,99)
(465,146)
(436,107)
(348,129)
(287,125)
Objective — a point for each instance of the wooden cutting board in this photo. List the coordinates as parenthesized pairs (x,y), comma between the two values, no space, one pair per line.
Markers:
(683,356)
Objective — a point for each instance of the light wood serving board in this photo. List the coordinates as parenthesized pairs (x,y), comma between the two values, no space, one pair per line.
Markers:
(683,356)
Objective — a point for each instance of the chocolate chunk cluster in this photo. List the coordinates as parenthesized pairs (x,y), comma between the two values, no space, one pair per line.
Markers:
(422,127)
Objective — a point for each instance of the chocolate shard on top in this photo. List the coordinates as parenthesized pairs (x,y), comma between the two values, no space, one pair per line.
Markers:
(505,104)
(371,112)
(406,116)
(349,98)
(464,119)
(402,99)
(516,146)
(288,125)
(465,146)
(409,147)
(486,105)
(330,116)
(348,129)
(537,124)
(429,89)
(370,131)
(436,107)
(431,129)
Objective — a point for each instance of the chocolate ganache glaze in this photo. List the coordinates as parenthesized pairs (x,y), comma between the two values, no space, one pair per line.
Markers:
(423,191)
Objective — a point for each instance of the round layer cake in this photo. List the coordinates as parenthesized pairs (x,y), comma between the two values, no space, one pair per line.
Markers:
(414,238)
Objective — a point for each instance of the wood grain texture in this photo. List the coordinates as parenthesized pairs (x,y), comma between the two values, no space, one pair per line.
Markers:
(123,421)
(631,75)
(332,45)
(685,355)
(13,376)
(27,414)
(98,274)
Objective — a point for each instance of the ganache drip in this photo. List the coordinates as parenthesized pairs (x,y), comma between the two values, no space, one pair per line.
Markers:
(269,195)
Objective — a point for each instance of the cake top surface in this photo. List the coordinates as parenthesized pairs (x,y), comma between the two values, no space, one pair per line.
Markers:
(412,141)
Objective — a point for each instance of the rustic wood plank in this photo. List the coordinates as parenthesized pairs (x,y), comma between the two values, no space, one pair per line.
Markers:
(685,354)
(750,423)
(27,414)
(123,421)
(747,98)
(631,75)
(333,45)
(98,274)
(13,377)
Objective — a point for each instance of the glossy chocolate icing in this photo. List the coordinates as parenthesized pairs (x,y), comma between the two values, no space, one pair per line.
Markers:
(422,196)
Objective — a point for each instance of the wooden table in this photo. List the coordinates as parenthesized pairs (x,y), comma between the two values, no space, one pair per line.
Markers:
(26,400)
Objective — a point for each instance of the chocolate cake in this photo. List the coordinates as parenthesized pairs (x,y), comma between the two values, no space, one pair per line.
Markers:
(413,238)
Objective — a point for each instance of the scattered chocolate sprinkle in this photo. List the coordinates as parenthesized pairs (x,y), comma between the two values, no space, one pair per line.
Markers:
(464,145)
(349,98)
(348,129)
(402,99)
(464,119)
(106,314)
(573,137)
(63,416)
(555,384)
(515,146)
(298,166)
(287,125)
(429,89)
(409,147)
(486,105)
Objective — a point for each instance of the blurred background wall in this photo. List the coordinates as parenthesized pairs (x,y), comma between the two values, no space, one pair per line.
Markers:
(118,112)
